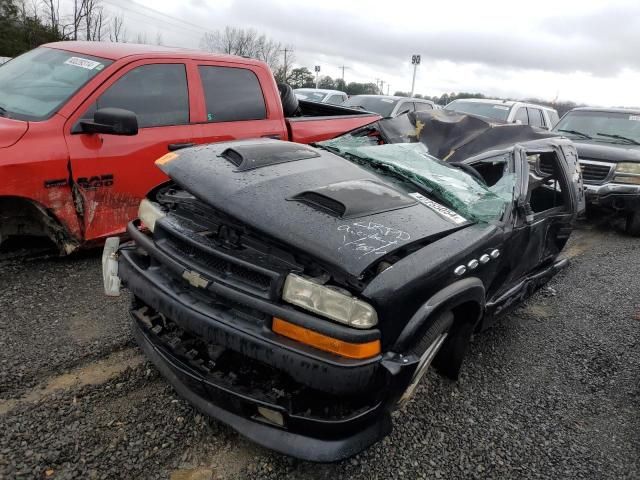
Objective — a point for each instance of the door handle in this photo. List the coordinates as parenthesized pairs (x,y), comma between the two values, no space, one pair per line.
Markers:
(177,146)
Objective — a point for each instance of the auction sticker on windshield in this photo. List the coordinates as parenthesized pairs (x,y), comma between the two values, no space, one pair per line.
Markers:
(82,62)
(439,209)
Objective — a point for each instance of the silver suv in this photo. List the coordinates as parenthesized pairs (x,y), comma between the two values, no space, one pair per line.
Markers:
(507,111)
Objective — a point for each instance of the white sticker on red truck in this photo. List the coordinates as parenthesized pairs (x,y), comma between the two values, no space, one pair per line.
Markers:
(439,209)
(82,63)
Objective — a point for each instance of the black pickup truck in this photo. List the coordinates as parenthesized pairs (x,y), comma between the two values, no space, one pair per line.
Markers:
(608,143)
(299,294)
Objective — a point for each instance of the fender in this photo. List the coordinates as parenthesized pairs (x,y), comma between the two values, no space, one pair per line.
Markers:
(466,290)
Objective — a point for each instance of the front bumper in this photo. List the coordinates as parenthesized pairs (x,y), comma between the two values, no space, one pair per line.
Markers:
(614,195)
(315,440)
(327,408)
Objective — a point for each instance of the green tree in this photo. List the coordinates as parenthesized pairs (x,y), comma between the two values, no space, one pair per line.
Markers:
(21,31)
(340,84)
(301,78)
(326,82)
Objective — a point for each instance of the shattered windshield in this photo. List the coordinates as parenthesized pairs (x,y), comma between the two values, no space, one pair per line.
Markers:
(412,162)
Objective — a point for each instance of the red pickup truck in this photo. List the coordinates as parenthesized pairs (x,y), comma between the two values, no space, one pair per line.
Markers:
(81,124)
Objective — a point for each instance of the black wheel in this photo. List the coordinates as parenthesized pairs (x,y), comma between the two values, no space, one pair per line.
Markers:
(633,223)
(288,99)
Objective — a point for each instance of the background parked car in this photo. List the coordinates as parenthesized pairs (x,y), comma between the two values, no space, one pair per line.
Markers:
(507,111)
(608,143)
(335,97)
(388,105)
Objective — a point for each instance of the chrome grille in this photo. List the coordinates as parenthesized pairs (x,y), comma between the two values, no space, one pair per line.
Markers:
(593,172)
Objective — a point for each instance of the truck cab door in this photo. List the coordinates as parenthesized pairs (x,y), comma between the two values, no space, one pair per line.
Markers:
(545,212)
(112,173)
(235,102)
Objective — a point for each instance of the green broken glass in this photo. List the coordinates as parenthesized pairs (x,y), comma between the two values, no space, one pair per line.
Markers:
(448,184)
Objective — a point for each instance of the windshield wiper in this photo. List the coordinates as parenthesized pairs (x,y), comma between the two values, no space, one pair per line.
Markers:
(576,132)
(619,137)
(4,112)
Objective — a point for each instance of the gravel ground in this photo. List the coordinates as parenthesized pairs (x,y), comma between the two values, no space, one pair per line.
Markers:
(552,391)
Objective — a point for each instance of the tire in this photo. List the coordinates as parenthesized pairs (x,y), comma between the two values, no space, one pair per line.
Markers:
(442,324)
(425,349)
(451,355)
(633,223)
(289,100)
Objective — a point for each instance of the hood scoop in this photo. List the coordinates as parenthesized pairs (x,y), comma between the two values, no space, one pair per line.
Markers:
(354,198)
(247,157)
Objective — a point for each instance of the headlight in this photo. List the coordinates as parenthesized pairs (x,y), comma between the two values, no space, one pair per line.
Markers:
(149,213)
(628,173)
(328,302)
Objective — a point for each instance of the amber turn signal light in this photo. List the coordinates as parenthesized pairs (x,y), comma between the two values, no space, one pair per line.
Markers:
(323,342)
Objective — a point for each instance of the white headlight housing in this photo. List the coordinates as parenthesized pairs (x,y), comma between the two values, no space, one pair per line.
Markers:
(149,213)
(627,172)
(328,302)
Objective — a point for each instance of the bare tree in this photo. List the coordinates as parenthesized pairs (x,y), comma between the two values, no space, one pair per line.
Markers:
(247,42)
(117,32)
(95,20)
(79,12)
(159,40)
(141,38)
(52,15)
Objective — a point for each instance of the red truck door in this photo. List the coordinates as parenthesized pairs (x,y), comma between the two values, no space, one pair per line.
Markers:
(235,104)
(113,173)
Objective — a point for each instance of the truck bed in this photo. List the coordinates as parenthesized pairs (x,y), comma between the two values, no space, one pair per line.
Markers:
(322,121)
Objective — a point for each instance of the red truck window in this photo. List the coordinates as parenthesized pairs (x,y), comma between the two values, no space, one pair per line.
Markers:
(232,94)
(157,94)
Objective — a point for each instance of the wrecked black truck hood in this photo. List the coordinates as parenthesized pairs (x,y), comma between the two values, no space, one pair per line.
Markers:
(319,203)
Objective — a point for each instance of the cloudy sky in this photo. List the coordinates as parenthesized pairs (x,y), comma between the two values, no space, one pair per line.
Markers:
(585,51)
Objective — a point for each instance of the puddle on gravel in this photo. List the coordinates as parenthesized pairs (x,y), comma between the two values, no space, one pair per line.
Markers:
(584,243)
(223,463)
(192,474)
(93,373)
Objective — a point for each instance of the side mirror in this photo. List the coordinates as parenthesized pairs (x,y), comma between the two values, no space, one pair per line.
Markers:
(111,121)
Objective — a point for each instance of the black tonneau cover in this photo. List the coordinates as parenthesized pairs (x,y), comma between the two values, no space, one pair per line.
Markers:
(455,136)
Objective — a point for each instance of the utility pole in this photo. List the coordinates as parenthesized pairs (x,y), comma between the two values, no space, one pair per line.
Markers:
(317,69)
(343,68)
(388,89)
(415,60)
(381,87)
(284,67)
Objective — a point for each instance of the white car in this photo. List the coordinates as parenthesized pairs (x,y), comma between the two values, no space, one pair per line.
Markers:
(388,105)
(321,95)
(507,111)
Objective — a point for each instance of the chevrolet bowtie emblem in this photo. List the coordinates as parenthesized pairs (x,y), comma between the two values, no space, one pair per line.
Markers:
(195,279)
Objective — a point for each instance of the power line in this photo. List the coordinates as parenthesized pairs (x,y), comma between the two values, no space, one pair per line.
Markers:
(188,26)
(157,23)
